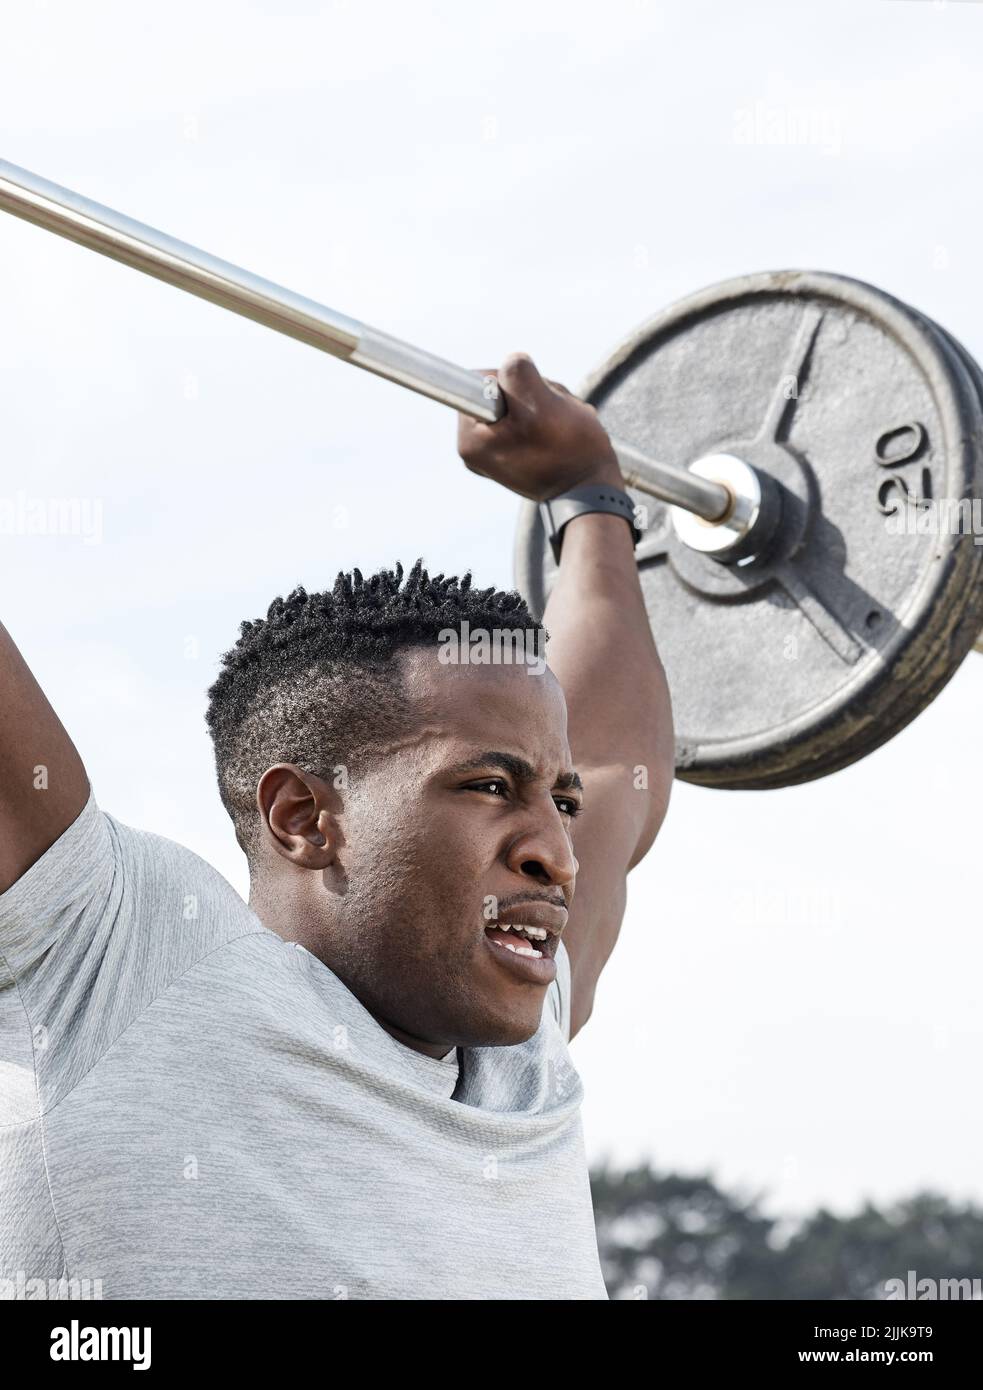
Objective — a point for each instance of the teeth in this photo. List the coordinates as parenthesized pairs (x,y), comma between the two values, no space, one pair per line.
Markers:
(519,950)
(537,933)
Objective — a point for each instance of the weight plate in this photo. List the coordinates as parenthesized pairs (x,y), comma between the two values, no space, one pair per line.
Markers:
(802,660)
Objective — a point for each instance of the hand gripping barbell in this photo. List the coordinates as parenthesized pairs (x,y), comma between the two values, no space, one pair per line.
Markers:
(808,459)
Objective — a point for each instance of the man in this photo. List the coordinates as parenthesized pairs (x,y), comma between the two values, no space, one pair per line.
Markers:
(350,1088)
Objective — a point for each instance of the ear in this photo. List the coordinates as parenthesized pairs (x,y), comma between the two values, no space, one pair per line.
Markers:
(299,813)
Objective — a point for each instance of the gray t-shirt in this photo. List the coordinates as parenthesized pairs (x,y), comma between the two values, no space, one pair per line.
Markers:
(191,1107)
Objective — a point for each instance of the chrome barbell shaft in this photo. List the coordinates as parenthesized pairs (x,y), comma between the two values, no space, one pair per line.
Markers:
(112,234)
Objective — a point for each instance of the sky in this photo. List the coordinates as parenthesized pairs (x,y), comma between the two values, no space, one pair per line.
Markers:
(793,1004)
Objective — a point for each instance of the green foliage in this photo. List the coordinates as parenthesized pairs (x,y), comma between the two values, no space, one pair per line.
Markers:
(665,1236)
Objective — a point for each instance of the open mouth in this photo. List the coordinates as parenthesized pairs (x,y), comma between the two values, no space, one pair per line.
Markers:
(523,939)
(529,960)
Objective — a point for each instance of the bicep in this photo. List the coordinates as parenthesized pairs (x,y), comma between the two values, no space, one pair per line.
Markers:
(43,784)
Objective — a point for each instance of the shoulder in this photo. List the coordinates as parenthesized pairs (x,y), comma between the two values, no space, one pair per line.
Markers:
(173,881)
(107,920)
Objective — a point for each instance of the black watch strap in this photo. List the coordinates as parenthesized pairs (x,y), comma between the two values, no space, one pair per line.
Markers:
(592,497)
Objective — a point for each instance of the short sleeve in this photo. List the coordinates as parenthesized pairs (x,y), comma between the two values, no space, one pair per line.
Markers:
(47,900)
(98,928)
(559,991)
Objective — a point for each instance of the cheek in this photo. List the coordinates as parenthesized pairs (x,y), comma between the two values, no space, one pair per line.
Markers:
(389,857)
(423,853)
(462,836)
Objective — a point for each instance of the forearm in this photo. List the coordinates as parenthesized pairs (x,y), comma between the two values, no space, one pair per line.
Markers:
(602,650)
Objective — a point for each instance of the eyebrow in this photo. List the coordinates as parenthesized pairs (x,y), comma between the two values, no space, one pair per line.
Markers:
(517,768)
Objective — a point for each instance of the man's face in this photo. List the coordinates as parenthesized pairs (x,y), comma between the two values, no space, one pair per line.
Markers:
(467,819)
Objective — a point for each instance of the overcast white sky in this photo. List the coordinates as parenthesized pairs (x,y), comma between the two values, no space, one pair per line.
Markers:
(794,1002)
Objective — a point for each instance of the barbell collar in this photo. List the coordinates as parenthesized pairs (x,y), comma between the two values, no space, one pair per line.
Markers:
(748,529)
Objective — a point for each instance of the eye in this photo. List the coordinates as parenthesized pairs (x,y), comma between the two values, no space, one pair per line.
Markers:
(497,782)
(568,807)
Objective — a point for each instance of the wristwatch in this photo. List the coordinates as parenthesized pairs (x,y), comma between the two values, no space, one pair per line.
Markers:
(555,512)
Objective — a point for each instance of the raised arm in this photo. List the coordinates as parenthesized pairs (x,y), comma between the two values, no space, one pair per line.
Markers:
(601,650)
(620,731)
(43,785)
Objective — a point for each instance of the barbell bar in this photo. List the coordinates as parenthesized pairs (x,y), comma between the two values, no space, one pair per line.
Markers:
(112,234)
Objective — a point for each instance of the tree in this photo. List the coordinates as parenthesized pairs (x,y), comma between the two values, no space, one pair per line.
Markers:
(675,1237)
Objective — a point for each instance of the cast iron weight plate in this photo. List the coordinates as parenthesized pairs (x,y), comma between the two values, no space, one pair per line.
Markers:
(805,659)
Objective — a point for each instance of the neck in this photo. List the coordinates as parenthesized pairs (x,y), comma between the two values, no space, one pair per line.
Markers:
(293,926)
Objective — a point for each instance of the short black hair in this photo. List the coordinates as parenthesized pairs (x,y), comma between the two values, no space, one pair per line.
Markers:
(315,682)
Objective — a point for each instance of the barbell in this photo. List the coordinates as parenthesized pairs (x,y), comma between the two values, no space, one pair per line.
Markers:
(807,463)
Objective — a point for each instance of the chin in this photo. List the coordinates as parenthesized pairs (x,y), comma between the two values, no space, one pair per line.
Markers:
(506,1032)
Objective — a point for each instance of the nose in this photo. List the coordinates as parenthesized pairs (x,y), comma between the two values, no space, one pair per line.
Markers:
(543,851)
